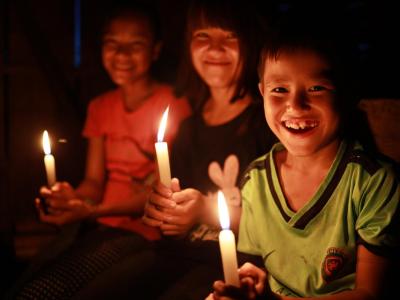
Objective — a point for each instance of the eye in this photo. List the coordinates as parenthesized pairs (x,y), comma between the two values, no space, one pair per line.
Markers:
(110,45)
(317,88)
(279,89)
(200,35)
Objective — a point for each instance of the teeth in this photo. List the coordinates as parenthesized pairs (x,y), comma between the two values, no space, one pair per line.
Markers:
(301,124)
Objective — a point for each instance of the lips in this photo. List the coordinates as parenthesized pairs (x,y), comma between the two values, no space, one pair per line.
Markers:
(216,63)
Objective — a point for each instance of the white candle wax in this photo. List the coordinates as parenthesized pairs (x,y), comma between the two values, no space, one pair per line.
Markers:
(162,152)
(227,245)
(49,161)
(50,166)
(163,163)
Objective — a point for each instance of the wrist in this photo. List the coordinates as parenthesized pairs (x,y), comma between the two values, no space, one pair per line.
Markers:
(92,208)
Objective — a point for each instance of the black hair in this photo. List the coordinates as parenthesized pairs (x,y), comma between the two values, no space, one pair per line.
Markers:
(134,9)
(232,15)
(326,37)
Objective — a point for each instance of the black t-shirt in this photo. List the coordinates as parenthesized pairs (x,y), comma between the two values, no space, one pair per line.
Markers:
(198,144)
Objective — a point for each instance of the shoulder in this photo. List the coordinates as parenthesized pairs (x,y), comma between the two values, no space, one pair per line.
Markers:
(255,168)
(165,96)
(106,99)
(371,162)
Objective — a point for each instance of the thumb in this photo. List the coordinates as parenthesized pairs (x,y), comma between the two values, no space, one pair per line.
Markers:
(175,185)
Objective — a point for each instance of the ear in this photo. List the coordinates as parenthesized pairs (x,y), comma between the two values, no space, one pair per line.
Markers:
(231,170)
(215,173)
(156,50)
(261,88)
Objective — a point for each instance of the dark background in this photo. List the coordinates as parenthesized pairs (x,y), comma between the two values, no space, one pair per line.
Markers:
(41,88)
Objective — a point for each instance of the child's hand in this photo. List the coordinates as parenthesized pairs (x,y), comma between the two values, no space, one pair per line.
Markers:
(187,212)
(61,211)
(59,192)
(226,179)
(60,205)
(252,285)
(160,203)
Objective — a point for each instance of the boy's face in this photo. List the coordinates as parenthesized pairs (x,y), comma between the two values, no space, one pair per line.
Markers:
(128,50)
(299,101)
(215,56)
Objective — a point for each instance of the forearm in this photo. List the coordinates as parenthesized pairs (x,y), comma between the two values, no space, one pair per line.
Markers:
(133,206)
(90,191)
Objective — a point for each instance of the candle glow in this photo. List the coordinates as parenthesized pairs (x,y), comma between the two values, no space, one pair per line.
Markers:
(49,161)
(227,244)
(162,152)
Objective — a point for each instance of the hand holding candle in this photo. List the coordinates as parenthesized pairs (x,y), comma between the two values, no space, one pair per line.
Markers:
(227,244)
(162,152)
(49,161)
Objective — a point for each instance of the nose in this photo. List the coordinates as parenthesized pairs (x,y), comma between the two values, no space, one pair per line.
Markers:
(298,102)
(216,46)
(124,49)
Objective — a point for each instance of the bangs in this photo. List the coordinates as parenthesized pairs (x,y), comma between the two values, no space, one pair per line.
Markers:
(212,14)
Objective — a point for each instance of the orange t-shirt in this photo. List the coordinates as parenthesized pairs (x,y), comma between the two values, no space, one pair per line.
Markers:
(129,145)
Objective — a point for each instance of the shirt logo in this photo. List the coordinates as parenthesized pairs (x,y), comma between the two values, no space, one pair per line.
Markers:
(333,263)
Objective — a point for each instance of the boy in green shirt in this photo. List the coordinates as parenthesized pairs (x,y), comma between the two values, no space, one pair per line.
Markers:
(319,209)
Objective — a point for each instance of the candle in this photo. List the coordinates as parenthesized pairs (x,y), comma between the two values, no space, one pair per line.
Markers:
(162,152)
(49,161)
(227,244)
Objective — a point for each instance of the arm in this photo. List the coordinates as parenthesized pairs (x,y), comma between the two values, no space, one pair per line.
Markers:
(67,205)
(371,275)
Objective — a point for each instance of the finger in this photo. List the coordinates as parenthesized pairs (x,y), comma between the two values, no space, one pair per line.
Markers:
(210,297)
(170,227)
(162,190)
(151,222)
(175,185)
(58,204)
(45,191)
(154,213)
(161,201)
(186,195)
(41,205)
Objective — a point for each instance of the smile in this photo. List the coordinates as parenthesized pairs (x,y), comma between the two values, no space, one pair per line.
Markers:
(300,126)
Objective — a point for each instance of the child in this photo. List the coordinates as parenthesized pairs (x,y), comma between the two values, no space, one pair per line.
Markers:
(319,209)
(218,75)
(121,129)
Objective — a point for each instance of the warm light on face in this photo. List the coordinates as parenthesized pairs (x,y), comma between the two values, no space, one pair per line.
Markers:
(163,125)
(223,211)
(46,143)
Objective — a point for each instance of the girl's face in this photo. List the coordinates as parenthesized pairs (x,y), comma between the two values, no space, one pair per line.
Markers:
(128,50)
(215,56)
(299,101)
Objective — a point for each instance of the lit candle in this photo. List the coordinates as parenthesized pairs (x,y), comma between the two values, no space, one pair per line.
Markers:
(162,152)
(227,244)
(49,161)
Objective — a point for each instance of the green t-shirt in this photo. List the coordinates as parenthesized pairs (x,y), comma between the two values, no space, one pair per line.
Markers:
(312,252)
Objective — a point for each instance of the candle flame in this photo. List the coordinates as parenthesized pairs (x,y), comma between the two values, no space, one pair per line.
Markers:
(163,125)
(223,211)
(46,142)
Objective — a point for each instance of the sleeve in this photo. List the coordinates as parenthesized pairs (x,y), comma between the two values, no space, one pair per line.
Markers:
(247,242)
(378,222)
(95,120)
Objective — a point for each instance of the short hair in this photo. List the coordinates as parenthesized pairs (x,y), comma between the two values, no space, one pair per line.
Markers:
(232,15)
(327,39)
